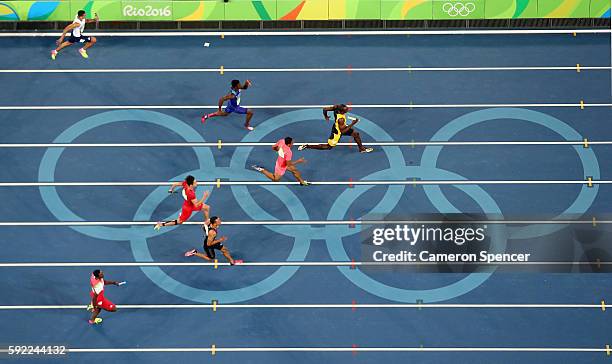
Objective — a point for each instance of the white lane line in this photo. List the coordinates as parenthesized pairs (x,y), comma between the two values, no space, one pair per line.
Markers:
(359,106)
(314,183)
(316,305)
(215,349)
(268,144)
(309,222)
(282,70)
(278,264)
(321,33)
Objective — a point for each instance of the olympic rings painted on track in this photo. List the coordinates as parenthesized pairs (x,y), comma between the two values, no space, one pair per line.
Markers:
(581,204)
(48,164)
(471,281)
(303,234)
(141,252)
(138,235)
(333,234)
(239,161)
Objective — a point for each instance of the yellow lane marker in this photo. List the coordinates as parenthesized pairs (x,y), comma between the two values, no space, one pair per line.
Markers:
(223,35)
(214,302)
(608,351)
(218,182)
(222,70)
(578,67)
(581,104)
(219,144)
(590,180)
(216,263)
(214,349)
(594,221)
(585,143)
(603,305)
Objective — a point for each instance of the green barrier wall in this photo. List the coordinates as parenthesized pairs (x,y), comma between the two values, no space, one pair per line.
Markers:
(186,10)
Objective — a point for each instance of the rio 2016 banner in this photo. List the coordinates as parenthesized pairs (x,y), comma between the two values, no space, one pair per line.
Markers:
(188,10)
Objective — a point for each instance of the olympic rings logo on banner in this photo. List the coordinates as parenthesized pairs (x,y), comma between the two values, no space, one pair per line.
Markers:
(303,234)
(458,9)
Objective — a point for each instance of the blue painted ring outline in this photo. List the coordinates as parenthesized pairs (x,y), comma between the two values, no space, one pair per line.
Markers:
(589,161)
(138,235)
(470,282)
(141,252)
(48,164)
(240,156)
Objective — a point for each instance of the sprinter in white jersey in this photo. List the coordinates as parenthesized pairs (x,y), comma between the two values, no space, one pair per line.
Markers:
(75,35)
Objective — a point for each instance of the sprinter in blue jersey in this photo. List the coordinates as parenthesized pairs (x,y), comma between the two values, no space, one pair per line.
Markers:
(233,104)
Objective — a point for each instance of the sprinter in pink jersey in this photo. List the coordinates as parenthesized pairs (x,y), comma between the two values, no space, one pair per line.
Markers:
(283,162)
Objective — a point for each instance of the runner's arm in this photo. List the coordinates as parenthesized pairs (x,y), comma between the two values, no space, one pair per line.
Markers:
(343,127)
(246,85)
(293,163)
(203,197)
(174,185)
(195,202)
(224,99)
(66,30)
(328,109)
(92,20)
(114,283)
(94,300)
(211,238)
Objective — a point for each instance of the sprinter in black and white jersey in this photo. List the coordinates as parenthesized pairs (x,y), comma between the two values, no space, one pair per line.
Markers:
(212,243)
(75,35)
